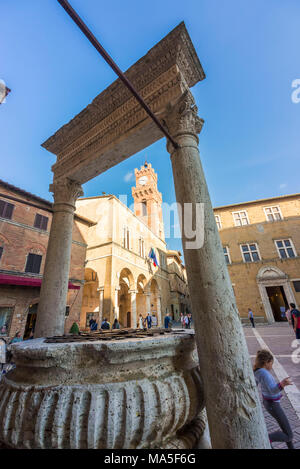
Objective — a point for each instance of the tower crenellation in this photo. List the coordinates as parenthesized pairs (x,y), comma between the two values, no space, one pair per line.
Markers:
(147,199)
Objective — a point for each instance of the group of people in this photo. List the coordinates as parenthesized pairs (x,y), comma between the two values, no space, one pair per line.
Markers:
(186,320)
(105,325)
(292,315)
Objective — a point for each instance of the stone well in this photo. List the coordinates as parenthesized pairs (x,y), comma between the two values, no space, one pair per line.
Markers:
(131,393)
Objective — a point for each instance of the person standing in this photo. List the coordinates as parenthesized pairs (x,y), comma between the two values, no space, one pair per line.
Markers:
(167,322)
(17,338)
(182,320)
(295,314)
(154,321)
(251,317)
(141,322)
(116,324)
(2,354)
(105,325)
(289,317)
(149,321)
(271,393)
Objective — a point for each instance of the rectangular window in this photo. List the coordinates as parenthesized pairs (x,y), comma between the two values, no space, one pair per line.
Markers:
(285,248)
(41,222)
(273,213)
(240,218)
(227,255)
(141,247)
(218,222)
(144,208)
(296,284)
(6,313)
(1,251)
(250,252)
(126,238)
(33,263)
(6,210)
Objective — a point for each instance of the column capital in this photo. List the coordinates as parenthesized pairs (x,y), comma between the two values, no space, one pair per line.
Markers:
(182,118)
(65,193)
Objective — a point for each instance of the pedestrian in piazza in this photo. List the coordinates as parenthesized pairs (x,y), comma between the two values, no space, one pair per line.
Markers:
(105,325)
(149,321)
(190,320)
(141,322)
(17,338)
(182,320)
(116,324)
(2,354)
(289,317)
(154,321)
(251,317)
(295,314)
(167,321)
(271,393)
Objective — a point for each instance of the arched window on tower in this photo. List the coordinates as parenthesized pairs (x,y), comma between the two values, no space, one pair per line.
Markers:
(144,208)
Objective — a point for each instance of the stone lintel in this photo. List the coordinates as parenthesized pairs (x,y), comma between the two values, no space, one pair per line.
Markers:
(114,126)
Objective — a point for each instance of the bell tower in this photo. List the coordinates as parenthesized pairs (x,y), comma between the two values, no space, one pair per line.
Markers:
(148,200)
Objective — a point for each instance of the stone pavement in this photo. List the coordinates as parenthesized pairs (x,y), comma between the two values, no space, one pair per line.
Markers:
(280,339)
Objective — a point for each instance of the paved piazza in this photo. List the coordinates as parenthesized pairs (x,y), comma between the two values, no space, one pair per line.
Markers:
(280,339)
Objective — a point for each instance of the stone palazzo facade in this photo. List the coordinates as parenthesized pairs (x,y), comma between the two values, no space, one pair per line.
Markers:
(121,280)
(25,223)
(261,243)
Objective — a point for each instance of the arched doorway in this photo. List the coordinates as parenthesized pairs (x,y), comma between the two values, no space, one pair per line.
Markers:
(126,283)
(31,320)
(276,292)
(141,296)
(155,300)
(90,300)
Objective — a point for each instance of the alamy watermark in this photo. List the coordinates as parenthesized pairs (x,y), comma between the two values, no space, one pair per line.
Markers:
(176,221)
(295,96)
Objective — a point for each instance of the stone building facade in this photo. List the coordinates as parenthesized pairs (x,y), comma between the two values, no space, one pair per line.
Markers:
(25,222)
(121,280)
(179,292)
(261,242)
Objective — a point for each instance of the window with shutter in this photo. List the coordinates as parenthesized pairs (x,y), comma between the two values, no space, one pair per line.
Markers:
(6,209)
(41,222)
(33,263)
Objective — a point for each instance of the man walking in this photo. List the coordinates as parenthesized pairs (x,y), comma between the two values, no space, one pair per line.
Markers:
(149,321)
(250,316)
(295,314)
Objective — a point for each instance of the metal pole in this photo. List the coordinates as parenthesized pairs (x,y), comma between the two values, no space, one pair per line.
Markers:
(86,31)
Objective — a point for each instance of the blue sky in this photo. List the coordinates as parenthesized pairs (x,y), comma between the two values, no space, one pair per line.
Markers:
(250,53)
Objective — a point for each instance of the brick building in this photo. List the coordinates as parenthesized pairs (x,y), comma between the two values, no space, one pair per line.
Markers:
(25,222)
(261,242)
(179,292)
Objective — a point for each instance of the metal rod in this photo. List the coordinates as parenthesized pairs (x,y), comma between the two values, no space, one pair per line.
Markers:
(86,31)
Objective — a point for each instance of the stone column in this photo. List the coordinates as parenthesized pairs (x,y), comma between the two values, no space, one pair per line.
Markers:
(101,296)
(53,297)
(116,306)
(148,302)
(133,308)
(233,408)
(159,318)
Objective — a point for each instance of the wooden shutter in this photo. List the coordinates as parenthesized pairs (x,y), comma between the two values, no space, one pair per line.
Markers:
(41,222)
(44,223)
(33,263)
(6,209)
(37,221)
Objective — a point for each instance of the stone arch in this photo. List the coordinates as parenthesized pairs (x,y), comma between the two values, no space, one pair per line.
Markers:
(271,278)
(155,300)
(126,286)
(142,289)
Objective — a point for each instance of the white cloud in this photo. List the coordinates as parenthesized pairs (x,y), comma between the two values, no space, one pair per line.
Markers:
(129,176)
